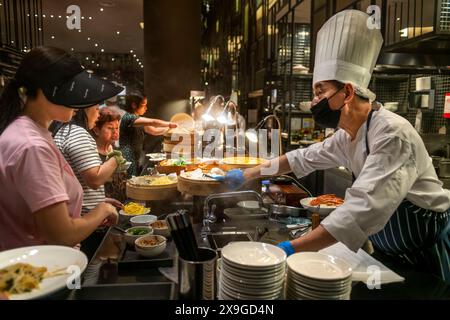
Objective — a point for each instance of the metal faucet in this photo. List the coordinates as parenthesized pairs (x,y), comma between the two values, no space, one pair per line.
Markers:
(209,216)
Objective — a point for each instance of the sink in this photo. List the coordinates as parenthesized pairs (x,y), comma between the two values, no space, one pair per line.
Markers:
(220,239)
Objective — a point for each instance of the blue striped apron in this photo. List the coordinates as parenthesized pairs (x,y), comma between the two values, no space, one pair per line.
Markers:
(416,236)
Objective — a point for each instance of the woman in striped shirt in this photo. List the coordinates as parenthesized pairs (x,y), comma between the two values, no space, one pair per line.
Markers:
(79,148)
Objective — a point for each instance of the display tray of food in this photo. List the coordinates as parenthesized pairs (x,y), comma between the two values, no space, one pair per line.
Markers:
(157,187)
(201,182)
(185,164)
(230,163)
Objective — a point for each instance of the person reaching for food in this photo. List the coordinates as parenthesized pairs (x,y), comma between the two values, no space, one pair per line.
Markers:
(43,198)
(132,128)
(396,199)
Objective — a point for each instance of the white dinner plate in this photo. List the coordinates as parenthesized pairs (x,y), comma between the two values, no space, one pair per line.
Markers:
(322,209)
(319,266)
(253,254)
(51,257)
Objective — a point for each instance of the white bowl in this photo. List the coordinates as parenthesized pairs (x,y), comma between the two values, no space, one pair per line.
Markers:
(143,220)
(150,251)
(130,238)
(165,232)
(249,205)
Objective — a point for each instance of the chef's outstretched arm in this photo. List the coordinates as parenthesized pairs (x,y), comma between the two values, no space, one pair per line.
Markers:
(277,167)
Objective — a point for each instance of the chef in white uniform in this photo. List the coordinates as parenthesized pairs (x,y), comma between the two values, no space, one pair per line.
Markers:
(396,200)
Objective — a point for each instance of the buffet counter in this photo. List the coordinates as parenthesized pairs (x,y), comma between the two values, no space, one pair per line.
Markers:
(111,275)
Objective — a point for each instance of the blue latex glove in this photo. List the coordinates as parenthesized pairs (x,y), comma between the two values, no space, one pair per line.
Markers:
(287,247)
(234,178)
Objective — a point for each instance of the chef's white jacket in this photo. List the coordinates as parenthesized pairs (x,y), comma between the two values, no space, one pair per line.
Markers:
(397,167)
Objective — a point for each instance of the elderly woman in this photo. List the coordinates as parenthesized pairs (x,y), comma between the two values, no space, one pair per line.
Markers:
(132,128)
(106,133)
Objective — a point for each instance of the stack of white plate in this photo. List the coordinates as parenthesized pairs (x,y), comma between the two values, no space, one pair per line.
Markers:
(252,271)
(317,276)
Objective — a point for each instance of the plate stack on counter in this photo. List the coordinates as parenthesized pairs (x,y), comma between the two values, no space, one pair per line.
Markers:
(317,276)
(252,271)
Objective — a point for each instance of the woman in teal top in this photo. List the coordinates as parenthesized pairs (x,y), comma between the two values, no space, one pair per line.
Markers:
(132,129)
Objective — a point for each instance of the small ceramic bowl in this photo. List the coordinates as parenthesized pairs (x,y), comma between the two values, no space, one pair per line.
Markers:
(150,246)
(132,233)
(143,220)
(160,227)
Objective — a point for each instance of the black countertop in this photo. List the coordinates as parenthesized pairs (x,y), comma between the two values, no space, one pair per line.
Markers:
(109,277)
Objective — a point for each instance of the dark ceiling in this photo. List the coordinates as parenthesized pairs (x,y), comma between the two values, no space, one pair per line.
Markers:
(115,28)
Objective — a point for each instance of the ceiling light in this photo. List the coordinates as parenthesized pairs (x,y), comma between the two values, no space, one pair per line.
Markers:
(89,38)
(40,29)
(118,32)
(96,44)
(137,60)
(131,51)
(79,30)
(141,24)
(98,65)
(71,49)
(53,37)
(51,16)
(134,55)
(101,9)
(87,58)
(112,59)
(103,50)
(90,18)
(92,61)
(43,16)
(82,18)
(60,17)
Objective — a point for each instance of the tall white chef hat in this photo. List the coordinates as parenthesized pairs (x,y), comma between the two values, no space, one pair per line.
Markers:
(347,50)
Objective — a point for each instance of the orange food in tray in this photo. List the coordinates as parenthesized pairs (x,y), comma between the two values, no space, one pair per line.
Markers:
(328,200)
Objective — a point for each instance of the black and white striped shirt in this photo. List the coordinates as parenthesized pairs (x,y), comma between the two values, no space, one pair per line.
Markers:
(80,151)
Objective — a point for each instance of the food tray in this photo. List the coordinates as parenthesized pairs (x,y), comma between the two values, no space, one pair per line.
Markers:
(130,259)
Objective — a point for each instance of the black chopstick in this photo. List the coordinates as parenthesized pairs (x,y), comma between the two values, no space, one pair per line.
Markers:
(176,235)
(190,234)
(190,251)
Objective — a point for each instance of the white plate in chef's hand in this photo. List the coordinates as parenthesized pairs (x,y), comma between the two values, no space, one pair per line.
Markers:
(51,257)
(322,209)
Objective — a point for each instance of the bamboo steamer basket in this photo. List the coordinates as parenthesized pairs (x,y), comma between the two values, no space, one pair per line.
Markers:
(148,192)
(200,187)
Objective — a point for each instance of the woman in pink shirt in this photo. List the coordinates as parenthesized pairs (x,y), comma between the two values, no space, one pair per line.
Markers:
(40,198)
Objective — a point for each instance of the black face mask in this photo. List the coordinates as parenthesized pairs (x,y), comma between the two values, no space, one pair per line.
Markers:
(324,115)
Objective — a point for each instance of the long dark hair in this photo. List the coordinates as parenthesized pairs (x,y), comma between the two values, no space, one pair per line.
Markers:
(29,76)
(133,101)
